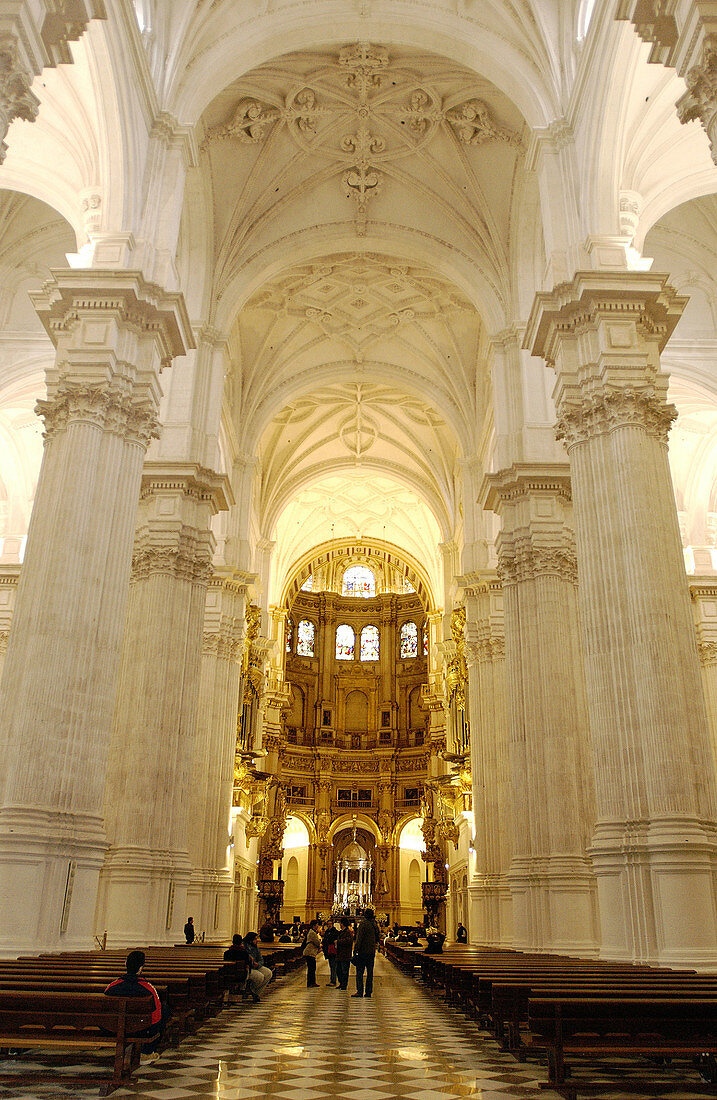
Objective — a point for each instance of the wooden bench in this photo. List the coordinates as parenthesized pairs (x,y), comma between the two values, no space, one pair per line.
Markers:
(605,1027)
(75,1021)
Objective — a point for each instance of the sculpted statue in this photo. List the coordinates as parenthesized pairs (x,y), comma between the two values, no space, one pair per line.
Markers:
(323,825)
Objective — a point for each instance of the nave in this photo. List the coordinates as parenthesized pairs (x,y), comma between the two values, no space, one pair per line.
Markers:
(304,1044)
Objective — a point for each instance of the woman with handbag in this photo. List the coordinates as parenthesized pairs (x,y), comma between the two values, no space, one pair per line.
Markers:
(328,946)
(311,950)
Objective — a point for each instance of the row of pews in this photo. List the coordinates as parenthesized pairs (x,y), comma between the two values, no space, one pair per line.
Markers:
(56,1002)
(583,1016)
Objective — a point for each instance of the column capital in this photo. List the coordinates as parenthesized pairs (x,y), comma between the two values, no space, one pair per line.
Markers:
(620,305)
(84,311)
(190,480)
(523,480)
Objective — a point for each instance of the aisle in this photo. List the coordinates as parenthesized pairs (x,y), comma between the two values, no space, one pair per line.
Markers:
(316,1044)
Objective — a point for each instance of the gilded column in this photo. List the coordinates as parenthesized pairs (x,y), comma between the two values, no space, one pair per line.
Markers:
(145,877)
(212,780)
(491,902)
(552,882)
(112,332)
(654,847)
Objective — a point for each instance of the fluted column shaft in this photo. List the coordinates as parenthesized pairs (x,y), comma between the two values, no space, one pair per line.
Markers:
(654,847)
(213,769)
(145,877)
(552,884)
(491,903)
(112,332)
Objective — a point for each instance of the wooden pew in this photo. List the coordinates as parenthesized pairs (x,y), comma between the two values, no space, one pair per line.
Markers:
(600,1028)
(74,1021)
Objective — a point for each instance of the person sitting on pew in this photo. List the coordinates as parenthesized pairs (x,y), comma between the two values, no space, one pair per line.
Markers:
(284,937)
(266,932)
(238,953)
(435,942)
(132,985)
(259,975)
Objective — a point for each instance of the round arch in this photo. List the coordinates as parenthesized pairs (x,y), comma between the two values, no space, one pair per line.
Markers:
(347,820)
(329,551)
(513,67)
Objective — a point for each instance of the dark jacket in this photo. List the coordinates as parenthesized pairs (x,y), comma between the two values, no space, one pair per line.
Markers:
(344,944)
(254,954)
(131,985)
(330,936)
(461,935)
(266,933)
(189,932)
(366,937)
(237,953)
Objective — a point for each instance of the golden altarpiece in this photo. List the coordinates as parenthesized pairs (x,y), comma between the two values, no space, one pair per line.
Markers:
(355,722)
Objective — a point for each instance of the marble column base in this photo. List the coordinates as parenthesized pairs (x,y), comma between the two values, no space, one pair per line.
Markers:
(554,905)
(134,897)
(49,867)
(210,902)
(657,891)
(491,911)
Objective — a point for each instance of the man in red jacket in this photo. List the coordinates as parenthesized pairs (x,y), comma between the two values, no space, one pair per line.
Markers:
(132,985)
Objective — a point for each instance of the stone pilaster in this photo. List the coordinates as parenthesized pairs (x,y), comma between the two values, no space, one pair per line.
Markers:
(210,888)
(112,332)
(9,577)
(551,879)
(655,845)
(144,882)
(35,34)
(491,902)
(703,591)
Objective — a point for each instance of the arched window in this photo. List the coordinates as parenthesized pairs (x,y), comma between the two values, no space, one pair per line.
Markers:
(409,640)
(308,585)
(289,634)
(425,638)
(345,643)
(407,586)
(305,638)
(358,581)
(369,643)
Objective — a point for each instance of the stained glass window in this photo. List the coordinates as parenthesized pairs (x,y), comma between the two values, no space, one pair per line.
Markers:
(409,640)
(358,581)
(308,585)
(407,586)
(369,643)
(345,643)
(425,638)
(289,634)
(305,636)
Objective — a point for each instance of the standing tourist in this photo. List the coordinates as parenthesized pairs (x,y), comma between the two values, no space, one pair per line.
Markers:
(461,934)
(344,951)
(328,946)
(189,930)
(367,936)
(311,950)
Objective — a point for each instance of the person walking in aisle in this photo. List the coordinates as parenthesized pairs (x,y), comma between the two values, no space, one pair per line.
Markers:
(311,950)
(344,951)
(367,936)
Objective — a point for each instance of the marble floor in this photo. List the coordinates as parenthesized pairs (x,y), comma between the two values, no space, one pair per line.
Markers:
(316,1044)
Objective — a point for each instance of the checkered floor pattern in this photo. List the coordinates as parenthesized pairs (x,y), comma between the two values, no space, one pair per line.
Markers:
(316,1044)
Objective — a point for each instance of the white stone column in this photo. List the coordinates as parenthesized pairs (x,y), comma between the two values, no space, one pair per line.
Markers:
(551,878)
(654,848)
(112,332)
(148,801)
(703,591)
(9,577)
(210,886)
(491,902)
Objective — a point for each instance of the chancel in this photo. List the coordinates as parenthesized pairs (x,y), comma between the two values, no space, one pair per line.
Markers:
(358,501)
